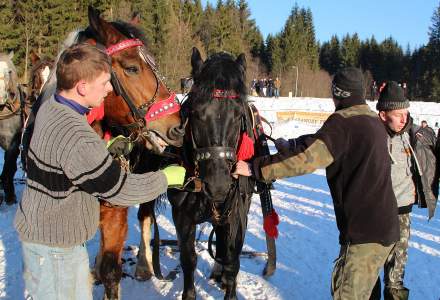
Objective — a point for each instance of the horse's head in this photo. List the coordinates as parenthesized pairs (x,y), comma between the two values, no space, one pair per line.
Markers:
(218,115)
(39,74)
(141,103)
(8,78)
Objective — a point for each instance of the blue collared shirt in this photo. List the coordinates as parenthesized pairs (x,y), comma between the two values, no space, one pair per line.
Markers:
(72,104)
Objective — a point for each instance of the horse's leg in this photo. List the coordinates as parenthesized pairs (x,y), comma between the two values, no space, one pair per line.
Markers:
(186,234)
(228,249)
(9,169)
(108,264)
(144,267)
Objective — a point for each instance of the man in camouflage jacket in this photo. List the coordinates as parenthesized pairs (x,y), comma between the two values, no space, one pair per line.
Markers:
(351,145)
(414,176)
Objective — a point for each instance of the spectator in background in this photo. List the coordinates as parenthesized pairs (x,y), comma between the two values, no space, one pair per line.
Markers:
(264,86)
(373,90)
(424,125)
(270,87)
(253,87)
(277,86)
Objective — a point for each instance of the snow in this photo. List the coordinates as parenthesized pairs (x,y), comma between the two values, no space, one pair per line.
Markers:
(306,247)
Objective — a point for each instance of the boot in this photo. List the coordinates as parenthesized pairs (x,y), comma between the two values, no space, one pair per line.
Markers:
(396,294)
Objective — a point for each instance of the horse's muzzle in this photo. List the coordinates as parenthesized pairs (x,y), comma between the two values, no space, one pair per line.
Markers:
(175,135)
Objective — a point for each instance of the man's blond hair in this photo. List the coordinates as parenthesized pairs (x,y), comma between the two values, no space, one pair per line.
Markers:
(81,62)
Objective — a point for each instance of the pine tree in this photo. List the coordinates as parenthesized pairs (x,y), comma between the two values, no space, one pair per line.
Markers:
(350,49)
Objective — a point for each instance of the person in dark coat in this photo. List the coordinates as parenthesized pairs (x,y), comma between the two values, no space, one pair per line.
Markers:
(352,146)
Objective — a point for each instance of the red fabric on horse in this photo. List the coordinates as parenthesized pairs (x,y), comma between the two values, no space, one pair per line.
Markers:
(246,147)
(270,224)
(96,114)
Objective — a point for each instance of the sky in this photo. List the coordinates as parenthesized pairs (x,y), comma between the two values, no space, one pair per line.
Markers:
(407,21)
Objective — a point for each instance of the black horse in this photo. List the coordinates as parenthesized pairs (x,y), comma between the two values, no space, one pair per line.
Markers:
(218,119)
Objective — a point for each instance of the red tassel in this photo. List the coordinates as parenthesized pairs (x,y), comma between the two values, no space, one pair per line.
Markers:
(96,114)
(245,148)
(270,224)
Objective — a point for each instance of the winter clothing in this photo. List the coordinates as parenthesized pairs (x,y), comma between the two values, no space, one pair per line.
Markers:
(426,172)
(392,97)
(348,84)
(356,270)
(396,261)
(69,167)
(352,146)
(401,171)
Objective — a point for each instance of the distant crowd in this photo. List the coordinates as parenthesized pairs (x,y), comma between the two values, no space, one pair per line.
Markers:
(266,87)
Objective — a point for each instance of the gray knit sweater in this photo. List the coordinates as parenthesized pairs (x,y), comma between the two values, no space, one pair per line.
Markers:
(69,168)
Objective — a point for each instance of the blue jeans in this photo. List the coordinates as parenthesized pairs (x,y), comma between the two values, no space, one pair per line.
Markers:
(56,273)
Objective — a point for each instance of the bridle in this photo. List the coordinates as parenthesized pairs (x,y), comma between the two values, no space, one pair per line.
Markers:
(203,154)
(150,110)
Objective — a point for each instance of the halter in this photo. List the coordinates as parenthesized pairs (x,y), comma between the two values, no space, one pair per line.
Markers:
(221,152)
(150,110)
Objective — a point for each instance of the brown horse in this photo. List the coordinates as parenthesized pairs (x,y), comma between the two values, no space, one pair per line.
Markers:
(141,108)
(40,72)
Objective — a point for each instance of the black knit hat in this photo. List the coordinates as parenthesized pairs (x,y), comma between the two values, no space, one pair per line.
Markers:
(392,97)
(348,83)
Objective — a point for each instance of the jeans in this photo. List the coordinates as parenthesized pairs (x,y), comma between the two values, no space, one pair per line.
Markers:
(56,273)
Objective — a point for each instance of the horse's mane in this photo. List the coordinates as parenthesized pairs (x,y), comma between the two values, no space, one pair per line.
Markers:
(50,86)
(219,71)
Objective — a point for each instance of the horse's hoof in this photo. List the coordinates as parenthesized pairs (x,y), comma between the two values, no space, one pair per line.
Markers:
(142,275)
(229,297)
(189,295)
(11,202)
(10,199)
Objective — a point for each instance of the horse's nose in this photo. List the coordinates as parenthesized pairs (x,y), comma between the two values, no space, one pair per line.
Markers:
(175,134)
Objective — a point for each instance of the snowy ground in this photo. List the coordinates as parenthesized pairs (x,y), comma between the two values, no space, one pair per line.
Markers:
(307,246)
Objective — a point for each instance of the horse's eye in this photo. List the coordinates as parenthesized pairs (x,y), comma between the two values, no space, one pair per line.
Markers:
(132,70)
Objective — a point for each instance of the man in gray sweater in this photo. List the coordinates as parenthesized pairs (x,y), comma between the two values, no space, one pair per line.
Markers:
(414,178)
(69,168)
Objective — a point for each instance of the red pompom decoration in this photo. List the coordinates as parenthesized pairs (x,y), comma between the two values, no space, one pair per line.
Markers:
(245,147)
(270,224)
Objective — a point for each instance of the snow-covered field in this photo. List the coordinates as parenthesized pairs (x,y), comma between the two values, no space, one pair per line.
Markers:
(307,245)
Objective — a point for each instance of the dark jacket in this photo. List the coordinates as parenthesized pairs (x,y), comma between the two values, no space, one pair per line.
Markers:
(352,146)
(426,179)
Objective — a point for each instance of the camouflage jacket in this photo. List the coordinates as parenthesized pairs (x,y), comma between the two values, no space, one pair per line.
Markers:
(351,145)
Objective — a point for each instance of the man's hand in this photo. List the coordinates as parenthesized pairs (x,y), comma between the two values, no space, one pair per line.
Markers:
(242,168)
(282,145)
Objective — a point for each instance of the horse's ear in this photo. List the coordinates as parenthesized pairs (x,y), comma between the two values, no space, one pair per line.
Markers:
(196,61)
(11,55)
(241,60)
(34,57)
(106,33)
